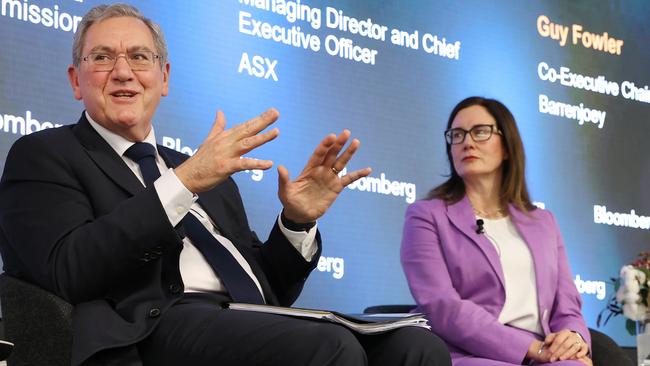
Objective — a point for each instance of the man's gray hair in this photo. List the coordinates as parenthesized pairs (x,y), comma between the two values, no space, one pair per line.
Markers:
(103,12)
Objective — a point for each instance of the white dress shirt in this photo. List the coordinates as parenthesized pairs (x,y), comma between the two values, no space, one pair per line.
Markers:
(178,201)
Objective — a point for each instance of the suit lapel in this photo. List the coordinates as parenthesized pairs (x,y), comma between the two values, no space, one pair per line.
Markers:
(461,215)
(105,157)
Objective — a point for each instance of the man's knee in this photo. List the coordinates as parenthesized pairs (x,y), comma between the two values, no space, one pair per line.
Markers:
(330,344)
(420,347)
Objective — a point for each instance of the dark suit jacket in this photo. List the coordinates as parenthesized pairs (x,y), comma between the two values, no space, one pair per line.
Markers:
(75,220)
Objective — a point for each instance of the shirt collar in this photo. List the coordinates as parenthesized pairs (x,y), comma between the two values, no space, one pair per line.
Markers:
(117,142)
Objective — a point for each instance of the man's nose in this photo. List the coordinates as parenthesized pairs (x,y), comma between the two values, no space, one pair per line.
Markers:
(122,70)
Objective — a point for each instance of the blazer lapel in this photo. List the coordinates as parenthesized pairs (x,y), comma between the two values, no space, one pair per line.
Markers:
(535,236)
(461,215)
(105,157)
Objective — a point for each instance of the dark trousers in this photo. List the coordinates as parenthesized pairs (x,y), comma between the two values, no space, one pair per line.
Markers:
(198,331)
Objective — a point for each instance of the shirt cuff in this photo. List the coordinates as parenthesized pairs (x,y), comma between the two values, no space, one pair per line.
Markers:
(175,198)
(303,241)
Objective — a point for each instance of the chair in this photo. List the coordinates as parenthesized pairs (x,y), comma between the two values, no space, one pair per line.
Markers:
(605,352)
(38,322)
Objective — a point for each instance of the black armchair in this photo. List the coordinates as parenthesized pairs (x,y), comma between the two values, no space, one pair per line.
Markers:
(38,322)
(605,352)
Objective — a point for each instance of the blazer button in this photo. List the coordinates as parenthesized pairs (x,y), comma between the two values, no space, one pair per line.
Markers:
(174,288)
(154,312)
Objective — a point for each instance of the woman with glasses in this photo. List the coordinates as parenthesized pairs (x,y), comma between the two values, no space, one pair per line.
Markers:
(487,267)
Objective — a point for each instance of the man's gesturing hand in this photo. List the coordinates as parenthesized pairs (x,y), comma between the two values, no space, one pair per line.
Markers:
(308,197)
(220,155)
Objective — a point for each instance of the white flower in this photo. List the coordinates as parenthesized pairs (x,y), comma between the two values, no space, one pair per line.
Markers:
(632,280)
(640,276)
(630,297)
(634,311)
(624,270)
(632,277)
(620,294)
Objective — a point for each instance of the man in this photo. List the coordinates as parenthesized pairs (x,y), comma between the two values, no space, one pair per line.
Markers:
(149,244)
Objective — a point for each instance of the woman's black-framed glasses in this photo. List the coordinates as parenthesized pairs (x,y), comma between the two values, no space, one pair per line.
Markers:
(479,133)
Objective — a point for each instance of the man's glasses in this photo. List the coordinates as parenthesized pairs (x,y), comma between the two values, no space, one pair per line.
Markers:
(137,60)
(479,133)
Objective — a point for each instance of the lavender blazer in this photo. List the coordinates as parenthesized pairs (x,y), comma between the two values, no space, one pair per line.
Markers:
(456,278)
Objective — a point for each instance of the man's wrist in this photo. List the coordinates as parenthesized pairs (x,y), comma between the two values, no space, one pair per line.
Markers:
(296,226)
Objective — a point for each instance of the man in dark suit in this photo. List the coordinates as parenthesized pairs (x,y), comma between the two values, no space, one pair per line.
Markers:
(149,244)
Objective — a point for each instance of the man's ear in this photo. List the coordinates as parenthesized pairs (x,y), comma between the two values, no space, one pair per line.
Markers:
(74,81)
(165,89)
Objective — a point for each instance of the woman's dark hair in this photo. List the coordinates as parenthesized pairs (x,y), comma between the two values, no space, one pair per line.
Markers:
(513,188)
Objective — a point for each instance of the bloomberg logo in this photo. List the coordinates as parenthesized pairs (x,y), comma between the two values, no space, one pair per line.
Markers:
(333,265)
(382,185)
(587,287)
(19,125)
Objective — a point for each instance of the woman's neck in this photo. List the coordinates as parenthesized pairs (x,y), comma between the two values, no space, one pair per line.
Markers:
(485,196)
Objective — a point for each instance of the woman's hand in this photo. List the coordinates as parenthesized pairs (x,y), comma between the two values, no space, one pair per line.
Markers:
(538,352)
(586,360)
(566,345)
(560,346)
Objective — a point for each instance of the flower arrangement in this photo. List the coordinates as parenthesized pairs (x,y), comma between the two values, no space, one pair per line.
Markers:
(632,297)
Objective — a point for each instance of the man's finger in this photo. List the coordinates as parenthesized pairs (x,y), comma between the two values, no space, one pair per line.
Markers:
(283,178)
(218,125)
(251,164)
(321,150)
(254,125)
(333,152)
(355,175)
(249,143)
(343,160)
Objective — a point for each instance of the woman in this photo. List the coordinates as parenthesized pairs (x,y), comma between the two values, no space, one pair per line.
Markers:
(487,267)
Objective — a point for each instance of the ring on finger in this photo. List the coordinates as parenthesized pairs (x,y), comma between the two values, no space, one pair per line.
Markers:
(336,171)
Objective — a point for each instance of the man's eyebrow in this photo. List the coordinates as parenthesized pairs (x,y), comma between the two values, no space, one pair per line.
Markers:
(102,49)
(108,49)
(139,48)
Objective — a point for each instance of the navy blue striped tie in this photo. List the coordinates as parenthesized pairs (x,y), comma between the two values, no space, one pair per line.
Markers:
(239,284)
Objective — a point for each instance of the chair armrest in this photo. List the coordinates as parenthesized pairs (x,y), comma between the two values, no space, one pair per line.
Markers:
(38,322)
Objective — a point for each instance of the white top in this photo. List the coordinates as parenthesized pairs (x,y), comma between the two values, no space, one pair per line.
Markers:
(520,309)
(178,201)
